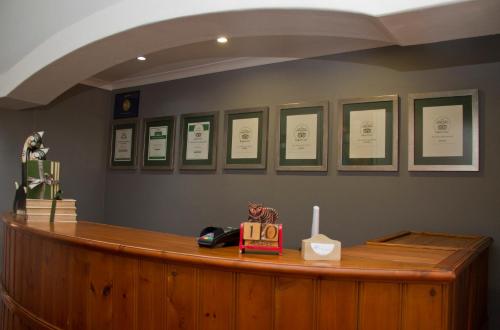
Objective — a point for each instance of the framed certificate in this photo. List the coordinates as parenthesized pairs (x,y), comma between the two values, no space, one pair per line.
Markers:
(123,150)
(198,141)
(158,142)
(443,131)
(368,134)
(302,141)
(245,138)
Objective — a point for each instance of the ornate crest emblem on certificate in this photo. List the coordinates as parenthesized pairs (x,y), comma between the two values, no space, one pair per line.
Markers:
(245,134)
(442,125)
(302,133)
(367,128)
(198,130)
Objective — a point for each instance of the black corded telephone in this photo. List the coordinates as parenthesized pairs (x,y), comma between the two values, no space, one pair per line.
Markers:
(217,236)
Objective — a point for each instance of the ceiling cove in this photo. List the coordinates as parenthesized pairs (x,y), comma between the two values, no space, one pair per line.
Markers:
(101,48)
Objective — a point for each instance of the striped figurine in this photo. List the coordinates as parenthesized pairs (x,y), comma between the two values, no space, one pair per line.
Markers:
(258,213)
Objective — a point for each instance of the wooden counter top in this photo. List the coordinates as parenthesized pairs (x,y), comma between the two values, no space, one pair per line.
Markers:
(92,276)
(382,261)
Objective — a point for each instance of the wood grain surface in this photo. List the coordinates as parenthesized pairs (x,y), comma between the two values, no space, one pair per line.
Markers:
(94,276)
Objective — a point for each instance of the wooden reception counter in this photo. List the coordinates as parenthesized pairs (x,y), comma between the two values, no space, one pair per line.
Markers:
(93,276)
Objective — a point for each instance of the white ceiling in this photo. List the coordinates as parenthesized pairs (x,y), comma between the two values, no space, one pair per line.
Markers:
(100,50)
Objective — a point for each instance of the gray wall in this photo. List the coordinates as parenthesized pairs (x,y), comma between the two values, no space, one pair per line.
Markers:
(354,206)
(76,128)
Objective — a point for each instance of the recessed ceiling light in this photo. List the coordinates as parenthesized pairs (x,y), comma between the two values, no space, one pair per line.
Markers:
(222,39)
(141,58)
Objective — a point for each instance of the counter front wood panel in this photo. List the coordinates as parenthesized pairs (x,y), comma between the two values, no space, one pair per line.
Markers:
(253,292)
(92,276)
(335,313)
(427,300)
(152,294)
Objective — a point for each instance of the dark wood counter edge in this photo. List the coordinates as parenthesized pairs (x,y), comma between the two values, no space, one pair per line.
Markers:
(385,238)
(27,316)
(438,274)
(433,247)
(459,262)
(383,241)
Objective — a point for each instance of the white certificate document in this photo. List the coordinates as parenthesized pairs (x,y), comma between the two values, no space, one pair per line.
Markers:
(301,136)
(367,134)
(157,144)
(123,145)
(443,131)
(197,144)
(245,139)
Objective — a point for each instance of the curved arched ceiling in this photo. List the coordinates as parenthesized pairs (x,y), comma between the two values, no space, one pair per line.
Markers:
(180,38)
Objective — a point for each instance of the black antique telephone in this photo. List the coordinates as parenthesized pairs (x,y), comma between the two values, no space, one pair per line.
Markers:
(217,237)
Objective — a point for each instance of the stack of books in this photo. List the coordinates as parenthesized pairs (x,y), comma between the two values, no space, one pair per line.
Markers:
(39,210)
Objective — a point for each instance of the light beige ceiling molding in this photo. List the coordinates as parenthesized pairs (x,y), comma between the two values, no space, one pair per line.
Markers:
(98,83)
(191,71)
(226,65)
